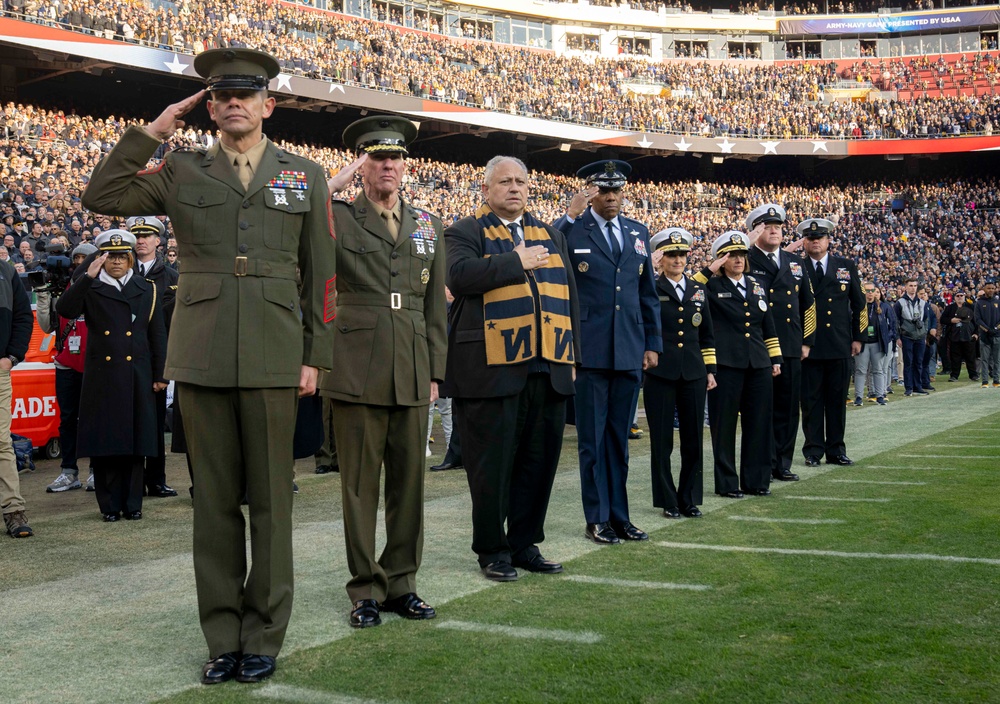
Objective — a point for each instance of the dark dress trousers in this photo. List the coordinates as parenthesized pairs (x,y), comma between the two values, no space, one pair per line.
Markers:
(239,336)
(746,348)
(619,321)
(841,316)
(389,344)
(510,417)
(793,309)
(678,382)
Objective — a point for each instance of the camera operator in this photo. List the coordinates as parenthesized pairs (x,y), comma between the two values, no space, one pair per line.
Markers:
(71,345)
(149,231)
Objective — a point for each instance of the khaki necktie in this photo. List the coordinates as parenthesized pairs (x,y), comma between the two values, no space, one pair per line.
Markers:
(243,170)
(390,224)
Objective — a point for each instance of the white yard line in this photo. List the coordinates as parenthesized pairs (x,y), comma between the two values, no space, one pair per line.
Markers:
(951,457)
(838,498)
(586,637)
(833,553)
(804,521)
(871,481)
(301,695)
(634,584)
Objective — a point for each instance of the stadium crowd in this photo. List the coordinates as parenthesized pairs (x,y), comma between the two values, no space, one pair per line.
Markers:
(943,230)
(696,98)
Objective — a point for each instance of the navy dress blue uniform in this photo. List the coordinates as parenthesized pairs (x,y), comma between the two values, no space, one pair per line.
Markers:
(620,321)
(841,316)
(746,349)
(678,382)
(793,308)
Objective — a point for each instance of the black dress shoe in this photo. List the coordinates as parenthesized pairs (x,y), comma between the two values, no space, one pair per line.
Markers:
(365,614)
(133,516)
(671,513)
(691,512)
(812,461)
(731,494)
(540,565)
(627,531)
(758,492)
(446,465)
(327,469)
(842,460)
(111,517)
(409,606)
(500,571)
(785,476)
(255,668)
(220,669)
(601,533)
(160,491)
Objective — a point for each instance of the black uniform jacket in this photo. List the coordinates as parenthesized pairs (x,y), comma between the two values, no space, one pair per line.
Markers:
(790,296)
(126,347)
(469,277)
(688,337)
(744,329)
(841,313)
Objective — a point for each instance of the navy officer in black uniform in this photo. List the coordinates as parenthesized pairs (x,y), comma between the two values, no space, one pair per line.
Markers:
(749,355)
(685,371)
(790,298)
(841,316)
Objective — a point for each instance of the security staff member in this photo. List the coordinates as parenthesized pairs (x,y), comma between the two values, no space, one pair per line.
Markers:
(122,371)
(986,317)
(619,338)
(748,355)
(253,225)
(790,297)
(841,317)
(389,351)
(686,370)
(148,230)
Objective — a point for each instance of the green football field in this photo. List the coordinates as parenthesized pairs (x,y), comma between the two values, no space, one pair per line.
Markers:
(874,583)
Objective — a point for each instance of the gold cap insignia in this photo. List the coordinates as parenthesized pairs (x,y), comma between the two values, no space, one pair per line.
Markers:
(116,240)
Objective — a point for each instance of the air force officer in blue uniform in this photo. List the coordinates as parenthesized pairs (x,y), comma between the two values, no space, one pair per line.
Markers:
(619,338)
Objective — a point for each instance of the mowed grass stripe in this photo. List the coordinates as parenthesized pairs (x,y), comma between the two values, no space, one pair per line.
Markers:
(948,457)
(635,584)
(562,636)
(975,446)
(877,482)
(833,553)
(301,695)
(908,467)
(801,521)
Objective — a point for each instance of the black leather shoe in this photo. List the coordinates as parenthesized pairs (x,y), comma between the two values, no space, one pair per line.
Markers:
(111,517)
(842,460)
(671,513)
(133,516)
(500,572)
(365,614)
(160,491)
(785,476)
(601,533)
(409,606)
(812,461)
(327,469)
(732,494)
(540,565)
(758,492)
(691,512)
(627,531)
(220,669)
(255,668)
(447,464)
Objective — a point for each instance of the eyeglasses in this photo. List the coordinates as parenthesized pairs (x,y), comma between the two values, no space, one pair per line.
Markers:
(869,290)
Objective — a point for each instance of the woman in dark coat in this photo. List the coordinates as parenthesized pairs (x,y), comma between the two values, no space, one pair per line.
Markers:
(122,371)
(748,356)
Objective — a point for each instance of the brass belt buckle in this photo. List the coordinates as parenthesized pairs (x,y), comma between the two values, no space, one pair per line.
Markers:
(241,266)
(395,300)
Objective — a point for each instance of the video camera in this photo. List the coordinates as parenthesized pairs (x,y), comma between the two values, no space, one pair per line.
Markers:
(54,274)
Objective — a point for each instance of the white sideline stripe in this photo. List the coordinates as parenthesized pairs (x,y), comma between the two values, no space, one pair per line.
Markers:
(631,583)
(588,637)
(980,445)
(871,481)
(951,457)
(888,466)
(301,695)
(837,498)
(835,553)
(806,521)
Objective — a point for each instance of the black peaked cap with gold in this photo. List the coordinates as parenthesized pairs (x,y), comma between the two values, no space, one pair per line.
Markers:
(380,134)
(236,69)
(609,173)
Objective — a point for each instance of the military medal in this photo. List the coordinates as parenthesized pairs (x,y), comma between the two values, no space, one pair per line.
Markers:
(640,245)
(425,276)
(583,267)
(640,268)
(696,319)
(279,196)
(762,305)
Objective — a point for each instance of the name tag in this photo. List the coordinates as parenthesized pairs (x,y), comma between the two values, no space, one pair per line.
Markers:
(725,295)
(581,251)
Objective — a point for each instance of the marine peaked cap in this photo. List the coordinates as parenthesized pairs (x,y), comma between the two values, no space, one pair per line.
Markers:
(236,69)
(380,134)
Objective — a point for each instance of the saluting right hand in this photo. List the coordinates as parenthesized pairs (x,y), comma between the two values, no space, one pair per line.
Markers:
(170,121)
(717,264)
(343,178)
(94,270)
(532,257)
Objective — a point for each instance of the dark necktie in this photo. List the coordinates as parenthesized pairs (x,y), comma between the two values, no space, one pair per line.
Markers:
(774,259)
(741,289)
(680,292)
(515,235)
(142,270)
(819,270)
(616,250)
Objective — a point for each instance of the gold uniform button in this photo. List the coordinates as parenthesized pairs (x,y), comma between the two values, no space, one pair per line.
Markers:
(680,344)
(618,288)
(829,312)
(107,332)
(747,324)
(680,320)
(680,333)
(748,314)
(129,358)
(788,320)
(829,300)
(789,305)
(680,309)
(745,304)
(770,304)
(828,324)
(748,334)
(789,293)
(771,290)
(107,359)
(128,334)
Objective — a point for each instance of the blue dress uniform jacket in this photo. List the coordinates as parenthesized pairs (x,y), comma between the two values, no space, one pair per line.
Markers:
(688,348)
(619,314)
(790,296)
(841,313)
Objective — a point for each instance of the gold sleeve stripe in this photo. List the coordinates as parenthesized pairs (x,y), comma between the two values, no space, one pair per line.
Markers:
(773,346)
(152,308)
(700,278)
(864,319)
(708,356)
(809,321)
